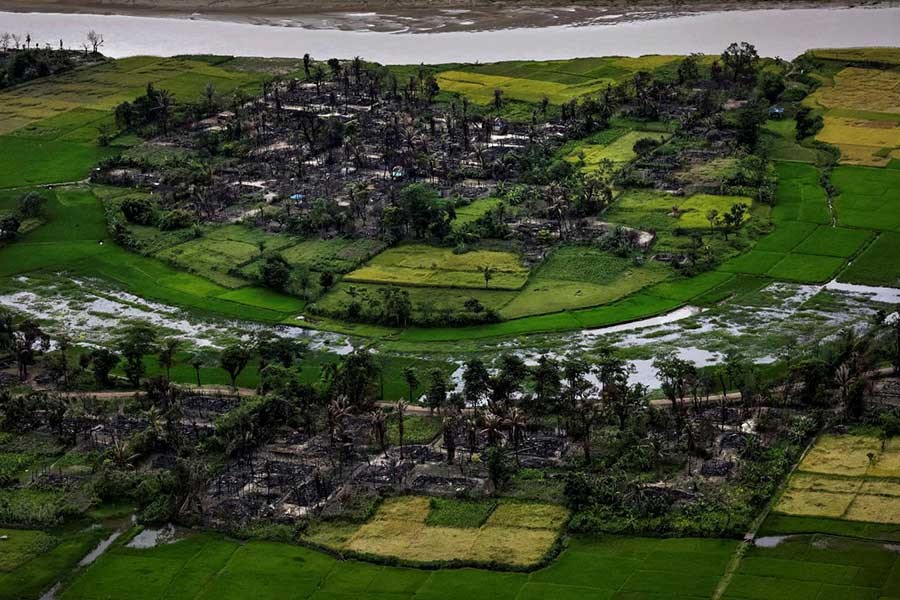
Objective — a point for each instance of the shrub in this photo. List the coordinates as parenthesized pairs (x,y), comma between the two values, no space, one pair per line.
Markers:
(175,219)
(140,210)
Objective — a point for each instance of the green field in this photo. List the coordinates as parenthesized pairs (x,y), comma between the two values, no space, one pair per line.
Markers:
(557,80)
(618,150)
(75,239)
(421,265)
(879,264)
(817,567)
(49,127)
(577,276)
(869,197)
(208,566)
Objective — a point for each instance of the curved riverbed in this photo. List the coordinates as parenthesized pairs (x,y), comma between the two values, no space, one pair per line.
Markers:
(775,32)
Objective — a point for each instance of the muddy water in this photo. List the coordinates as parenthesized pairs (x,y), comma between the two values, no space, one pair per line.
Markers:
(784,33)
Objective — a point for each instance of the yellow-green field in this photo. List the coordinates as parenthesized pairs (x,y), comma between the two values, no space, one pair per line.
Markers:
(513,534)
(557,80)
(620,150)
(422,265)
(862,115)
(846,477)
(49,127)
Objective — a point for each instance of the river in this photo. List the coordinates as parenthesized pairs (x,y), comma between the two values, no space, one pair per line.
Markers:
(775,32)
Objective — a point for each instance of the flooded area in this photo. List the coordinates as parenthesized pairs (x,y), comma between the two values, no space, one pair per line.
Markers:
(151,537)
(97,552)
(770,541)
(759,327)
(458,37)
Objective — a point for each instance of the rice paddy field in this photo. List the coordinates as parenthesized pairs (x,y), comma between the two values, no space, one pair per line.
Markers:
(49,127)
(862,114)
(816,567)
(209,566)
(75,239)
(422,265)
(615,145)
(557,80)
(573,288)
(848,477)
(419,529)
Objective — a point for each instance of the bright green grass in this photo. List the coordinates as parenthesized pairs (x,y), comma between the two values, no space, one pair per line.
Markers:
(422,265)
(755,262)
(688,288)
(51,123)
(783,142)
(473,211)
(800,196)
(391,384)
(27,161)
(735,287)
(806,268)
(417,429)
(22,545)
(787,236)
(834,241)
(604,278)
(450,512)
(71,239)
(423,299)
(620,150)
(879,264)
(634,307)
(869,197)
(780,524)
(816,567)
(29,580)
(338,255)
(695,208)
(207,566)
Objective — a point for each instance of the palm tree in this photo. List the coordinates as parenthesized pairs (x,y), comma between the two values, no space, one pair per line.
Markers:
(197,362)
(517,421)
(120,455)
(167,353)
(338,410)
(154,422)
(379,428)
(488,272)
(165,103)
(448,431)
(493,427)
(412,381)
(401,409)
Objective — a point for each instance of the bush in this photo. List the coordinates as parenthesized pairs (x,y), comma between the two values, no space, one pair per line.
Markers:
(31,205)
(175,219)
(140,210)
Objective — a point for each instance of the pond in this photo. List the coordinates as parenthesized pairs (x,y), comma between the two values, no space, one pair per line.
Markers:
(775,32)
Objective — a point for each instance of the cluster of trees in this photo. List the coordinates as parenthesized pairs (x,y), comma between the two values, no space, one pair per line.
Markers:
(155,109)
(22,59)
(30,205)
(392,306)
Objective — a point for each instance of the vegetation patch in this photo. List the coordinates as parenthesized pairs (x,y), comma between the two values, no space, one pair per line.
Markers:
(851,477)
(618,150)
(806,268)
(421,265)
(512,534)
(450,512)
(815,566)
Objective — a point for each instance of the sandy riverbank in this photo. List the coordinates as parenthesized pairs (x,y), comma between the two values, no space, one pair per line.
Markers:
(416,15)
